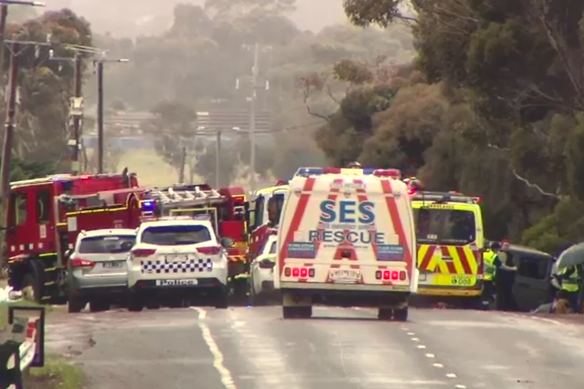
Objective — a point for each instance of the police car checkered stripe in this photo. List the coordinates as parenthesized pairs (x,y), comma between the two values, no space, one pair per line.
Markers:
(190,266)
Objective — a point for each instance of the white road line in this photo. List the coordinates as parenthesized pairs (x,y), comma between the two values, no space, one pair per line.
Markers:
(460,386)
(430,355)
(226,378)
(421,346)
(415,339)
(411,334)
(451,375)
(438,365)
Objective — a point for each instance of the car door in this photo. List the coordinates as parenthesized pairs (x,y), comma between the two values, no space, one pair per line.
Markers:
(530,288)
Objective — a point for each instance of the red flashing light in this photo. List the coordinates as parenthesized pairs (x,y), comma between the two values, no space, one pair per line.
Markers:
(79,262)
(332,170)
(85,177)
(391,275)
(141,253)
(478,199)
(299,272)
(393,173)
(213,250)
(281,182)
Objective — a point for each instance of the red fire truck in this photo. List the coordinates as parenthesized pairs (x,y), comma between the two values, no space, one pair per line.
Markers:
(226,209)
(263,215)
(46,215)
(43,215)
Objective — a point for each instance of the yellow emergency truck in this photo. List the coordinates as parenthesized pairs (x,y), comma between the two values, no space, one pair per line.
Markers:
(450,239)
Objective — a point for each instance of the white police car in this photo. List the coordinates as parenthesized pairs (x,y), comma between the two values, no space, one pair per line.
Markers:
(176,260)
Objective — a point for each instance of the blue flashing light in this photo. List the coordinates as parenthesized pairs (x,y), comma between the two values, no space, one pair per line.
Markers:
(148,206)
(309,171)
(369,171)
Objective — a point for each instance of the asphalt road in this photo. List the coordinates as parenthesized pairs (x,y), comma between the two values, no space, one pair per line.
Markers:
(243,348)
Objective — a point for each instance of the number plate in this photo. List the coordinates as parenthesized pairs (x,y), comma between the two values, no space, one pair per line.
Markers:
(344,275)
(113,265)
(183,282)
(462,280)
(177,258)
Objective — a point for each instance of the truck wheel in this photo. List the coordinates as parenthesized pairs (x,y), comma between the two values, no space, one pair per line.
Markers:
(385,314)
(31,288)
(289,312)
(76,304)
(98,305)
(222,299)
(305,312)
(401,314)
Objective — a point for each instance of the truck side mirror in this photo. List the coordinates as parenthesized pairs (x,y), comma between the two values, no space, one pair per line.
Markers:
(68,253)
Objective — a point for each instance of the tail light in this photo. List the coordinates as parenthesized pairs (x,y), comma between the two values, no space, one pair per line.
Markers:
(141,253)
(266,264)
(79,262)
(299,272)
(213,250)
(391,275)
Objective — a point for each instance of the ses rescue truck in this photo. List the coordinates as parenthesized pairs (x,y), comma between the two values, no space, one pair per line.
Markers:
(346,238)
(449,232)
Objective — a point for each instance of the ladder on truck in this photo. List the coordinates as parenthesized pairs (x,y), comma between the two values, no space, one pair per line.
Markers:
(192,201)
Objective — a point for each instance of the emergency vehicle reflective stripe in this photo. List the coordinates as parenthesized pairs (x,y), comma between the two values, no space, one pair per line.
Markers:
(236,258)
(396,220)
(297,218)
(455,260)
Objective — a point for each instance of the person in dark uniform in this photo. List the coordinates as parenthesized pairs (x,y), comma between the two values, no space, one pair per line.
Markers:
(504,277)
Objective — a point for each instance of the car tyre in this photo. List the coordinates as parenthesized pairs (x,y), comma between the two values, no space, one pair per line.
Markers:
(135,303)
(76,304)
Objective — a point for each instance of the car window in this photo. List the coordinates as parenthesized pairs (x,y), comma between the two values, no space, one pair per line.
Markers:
(176,235)
(107,244)
(447,226)
(533,267)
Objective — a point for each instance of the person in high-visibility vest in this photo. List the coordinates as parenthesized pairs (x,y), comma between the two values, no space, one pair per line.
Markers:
(489,270)
(570,279)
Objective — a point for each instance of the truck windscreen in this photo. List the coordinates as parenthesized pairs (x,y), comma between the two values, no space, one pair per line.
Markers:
(444,226)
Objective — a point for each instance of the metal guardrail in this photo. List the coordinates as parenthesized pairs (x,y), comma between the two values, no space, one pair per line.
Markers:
(22,345)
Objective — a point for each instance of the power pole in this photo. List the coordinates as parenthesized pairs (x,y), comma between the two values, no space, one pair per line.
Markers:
(252,114)
(74,139)
(9,134)
(3,16)
(100,143)
(100,133)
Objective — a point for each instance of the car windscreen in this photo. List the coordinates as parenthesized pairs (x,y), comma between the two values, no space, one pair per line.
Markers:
(108,244)
(444,226)
(176,235)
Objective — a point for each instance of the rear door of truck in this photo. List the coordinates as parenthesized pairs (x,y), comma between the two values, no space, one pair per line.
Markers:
(347,232)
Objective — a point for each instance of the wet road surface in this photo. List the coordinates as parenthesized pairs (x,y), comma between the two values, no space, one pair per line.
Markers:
(254,348)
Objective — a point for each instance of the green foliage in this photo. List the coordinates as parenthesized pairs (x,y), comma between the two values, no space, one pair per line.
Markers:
(45,86)
(502,115)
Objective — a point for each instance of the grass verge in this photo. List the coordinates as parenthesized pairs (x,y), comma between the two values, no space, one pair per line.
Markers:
(56,374)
